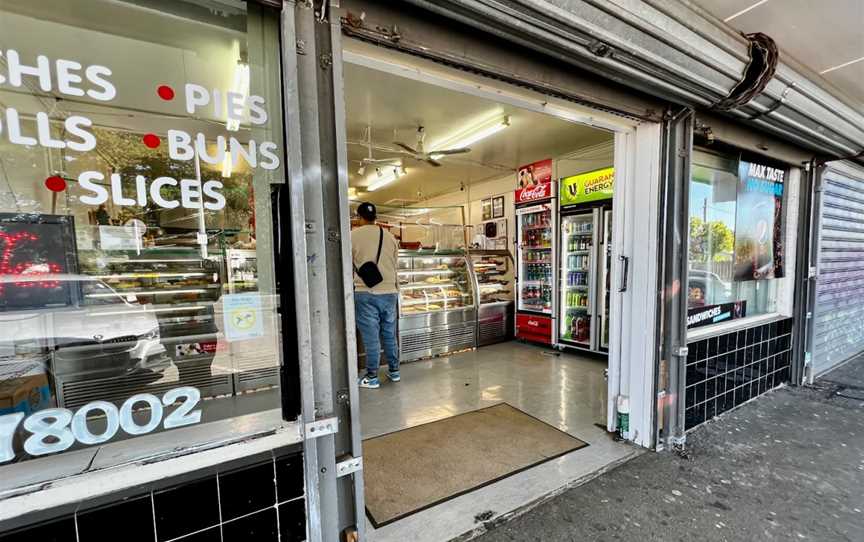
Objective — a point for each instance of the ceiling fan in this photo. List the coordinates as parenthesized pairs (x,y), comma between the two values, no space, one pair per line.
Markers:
(422,155)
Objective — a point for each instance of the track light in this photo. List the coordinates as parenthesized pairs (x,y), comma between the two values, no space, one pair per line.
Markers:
(386,177)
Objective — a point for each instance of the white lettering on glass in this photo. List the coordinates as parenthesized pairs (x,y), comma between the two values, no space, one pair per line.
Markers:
(55,430)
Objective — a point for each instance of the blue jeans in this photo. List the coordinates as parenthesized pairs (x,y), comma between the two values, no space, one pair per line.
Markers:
(376,320)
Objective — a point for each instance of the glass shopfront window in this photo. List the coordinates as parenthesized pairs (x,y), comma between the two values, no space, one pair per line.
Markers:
(138,148)
(736,238)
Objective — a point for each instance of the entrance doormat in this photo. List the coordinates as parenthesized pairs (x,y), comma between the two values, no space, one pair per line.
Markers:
(419,467)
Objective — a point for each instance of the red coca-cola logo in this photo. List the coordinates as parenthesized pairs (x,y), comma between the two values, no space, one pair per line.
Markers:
(533,193)
(533,323)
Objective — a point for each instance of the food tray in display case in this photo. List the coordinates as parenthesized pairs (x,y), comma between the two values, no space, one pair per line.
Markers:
(437,304)
(493,273)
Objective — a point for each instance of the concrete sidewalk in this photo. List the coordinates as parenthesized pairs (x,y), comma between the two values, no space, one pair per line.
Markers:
(787,466)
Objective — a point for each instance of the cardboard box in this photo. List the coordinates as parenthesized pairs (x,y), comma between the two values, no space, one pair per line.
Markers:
(26,394)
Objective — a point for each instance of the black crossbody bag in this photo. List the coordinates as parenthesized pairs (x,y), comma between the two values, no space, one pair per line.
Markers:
(369,272)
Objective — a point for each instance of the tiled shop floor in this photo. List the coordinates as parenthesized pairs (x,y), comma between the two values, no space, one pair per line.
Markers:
(564,390)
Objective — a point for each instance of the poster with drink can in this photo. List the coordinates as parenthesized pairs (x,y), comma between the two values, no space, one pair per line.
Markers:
(534,174)
(759,247)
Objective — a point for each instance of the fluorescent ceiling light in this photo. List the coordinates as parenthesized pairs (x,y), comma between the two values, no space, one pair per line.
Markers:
(227,166)
(472,134)
(240,84)
(385,177)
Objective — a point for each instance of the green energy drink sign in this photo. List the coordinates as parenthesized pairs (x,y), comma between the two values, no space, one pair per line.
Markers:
(586,187)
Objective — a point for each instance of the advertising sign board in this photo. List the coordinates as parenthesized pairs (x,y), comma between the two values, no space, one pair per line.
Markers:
(586,187)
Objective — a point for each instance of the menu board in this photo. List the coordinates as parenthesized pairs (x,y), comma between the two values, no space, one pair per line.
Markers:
(34,250)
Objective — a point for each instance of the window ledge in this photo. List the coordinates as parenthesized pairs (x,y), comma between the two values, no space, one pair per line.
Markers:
(734,325)
(92,484)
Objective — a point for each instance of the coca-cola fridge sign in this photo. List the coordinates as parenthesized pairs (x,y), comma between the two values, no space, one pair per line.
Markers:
(534,193)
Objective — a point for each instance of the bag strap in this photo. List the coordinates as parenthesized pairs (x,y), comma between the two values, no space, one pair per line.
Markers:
(380,241)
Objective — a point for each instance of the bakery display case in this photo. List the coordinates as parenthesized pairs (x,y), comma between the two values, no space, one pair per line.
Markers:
(494,283)
(437,303)
(179,288)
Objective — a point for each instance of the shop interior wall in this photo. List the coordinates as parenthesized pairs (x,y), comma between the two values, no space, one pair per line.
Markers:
(471,198)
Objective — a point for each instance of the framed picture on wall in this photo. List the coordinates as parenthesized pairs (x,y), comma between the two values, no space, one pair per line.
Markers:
(486,206)
(498,207)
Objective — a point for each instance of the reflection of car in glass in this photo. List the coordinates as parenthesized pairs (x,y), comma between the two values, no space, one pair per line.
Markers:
(95,333)
(707,288)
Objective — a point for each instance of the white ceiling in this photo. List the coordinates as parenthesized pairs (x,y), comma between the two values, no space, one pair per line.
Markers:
(395,106)
(825,36)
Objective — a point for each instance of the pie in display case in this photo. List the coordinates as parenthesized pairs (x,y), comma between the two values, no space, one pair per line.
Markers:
(437,303)
(493,272)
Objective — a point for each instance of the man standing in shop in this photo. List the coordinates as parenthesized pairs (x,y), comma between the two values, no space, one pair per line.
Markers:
(374,253)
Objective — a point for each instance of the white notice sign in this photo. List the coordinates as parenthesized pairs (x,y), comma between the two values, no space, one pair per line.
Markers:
(242,316)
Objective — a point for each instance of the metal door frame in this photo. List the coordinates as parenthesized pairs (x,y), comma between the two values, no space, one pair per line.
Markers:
(672,290)
(807,256)
(314,119)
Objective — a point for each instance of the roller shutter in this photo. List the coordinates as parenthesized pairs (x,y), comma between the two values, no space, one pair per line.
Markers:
(838,332)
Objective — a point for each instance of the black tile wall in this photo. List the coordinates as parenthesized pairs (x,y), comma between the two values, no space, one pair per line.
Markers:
(261,527)
(56,531)
(171,508)
(292,521)
(726,371)
(289,477)
(235,506)
(133,518)
(248,490)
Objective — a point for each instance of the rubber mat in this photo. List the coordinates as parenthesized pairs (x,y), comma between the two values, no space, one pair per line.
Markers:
(419,467)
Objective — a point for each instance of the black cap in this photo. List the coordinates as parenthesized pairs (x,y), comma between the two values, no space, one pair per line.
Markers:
(367,211)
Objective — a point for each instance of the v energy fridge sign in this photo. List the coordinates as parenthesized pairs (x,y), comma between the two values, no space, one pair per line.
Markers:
(585,187)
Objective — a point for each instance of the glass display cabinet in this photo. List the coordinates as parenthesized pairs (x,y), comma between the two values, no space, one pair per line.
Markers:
(176,288)
(493,273)
(437,303)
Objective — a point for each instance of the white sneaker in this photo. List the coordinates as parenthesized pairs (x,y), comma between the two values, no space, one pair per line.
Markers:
(369,382)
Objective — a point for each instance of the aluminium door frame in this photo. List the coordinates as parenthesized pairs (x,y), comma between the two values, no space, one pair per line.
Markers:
(317,186)
(636,155)
(672,352)
(807,256)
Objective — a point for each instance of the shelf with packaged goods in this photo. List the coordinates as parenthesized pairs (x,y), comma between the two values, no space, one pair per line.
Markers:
(529,247)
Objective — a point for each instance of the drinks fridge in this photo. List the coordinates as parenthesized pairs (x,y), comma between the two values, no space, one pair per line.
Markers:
(535,288)
(584,278)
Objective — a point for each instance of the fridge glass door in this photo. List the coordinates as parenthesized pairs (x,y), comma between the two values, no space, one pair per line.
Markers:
(606,254)
(577,234)
(535,259)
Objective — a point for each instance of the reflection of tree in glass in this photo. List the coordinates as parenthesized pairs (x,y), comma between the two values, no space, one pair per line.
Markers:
(710,241)
(131,158)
